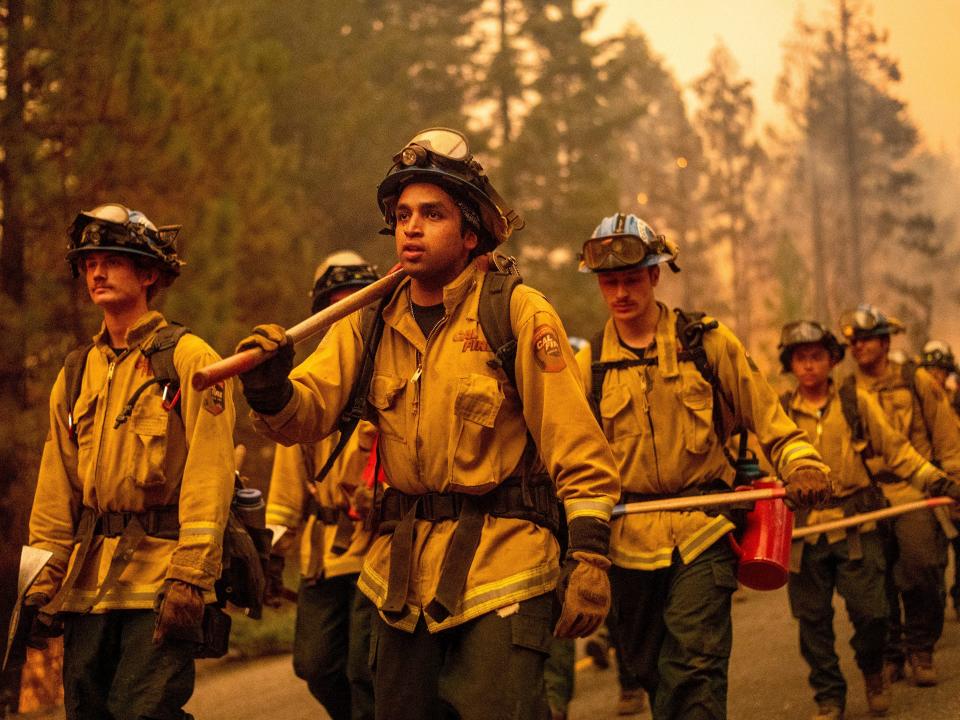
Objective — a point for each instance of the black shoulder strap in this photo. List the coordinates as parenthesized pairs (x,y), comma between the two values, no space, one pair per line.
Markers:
(73,366)
(785,401)
(494,316)
(160,355)
(371,330)
(598,372)
(851,410)
(690,331)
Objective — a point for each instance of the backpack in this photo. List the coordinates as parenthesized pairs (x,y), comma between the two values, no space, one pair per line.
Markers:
(690,328)
(493,314)
(245,549)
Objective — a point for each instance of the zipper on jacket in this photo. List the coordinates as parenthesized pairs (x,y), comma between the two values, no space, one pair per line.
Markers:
(415,379)
(111,369)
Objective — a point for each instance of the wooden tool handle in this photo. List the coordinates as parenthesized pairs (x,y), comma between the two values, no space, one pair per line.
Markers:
(862,518)
(695,502)
(248,359)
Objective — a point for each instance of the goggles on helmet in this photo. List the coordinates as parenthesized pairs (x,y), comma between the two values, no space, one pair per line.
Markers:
(617,252)
(867,321)
(803,332)
(937,353)
(337,277)
(442,156)
(115,228)
(800,332)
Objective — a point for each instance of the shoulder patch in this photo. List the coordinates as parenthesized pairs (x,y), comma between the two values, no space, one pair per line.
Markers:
(213,399)
(546,349)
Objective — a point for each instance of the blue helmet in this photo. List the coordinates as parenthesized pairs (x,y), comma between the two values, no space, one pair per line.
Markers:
(623,241)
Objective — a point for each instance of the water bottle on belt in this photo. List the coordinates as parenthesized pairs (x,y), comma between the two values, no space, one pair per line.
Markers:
(249,506)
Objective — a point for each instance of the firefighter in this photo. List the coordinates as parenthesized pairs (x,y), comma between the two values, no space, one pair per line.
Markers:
(937,359)
(674,572)
(134,486)
(477,448)
(846,426)
(916,552)
(332,637)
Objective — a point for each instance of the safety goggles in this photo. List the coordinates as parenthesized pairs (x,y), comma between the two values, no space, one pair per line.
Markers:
(627,249)
(866,321)
(115,225)
(435,145)
(800,332)
(343,275)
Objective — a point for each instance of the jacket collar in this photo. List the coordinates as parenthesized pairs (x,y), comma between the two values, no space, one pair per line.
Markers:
(665,340)
(144,327)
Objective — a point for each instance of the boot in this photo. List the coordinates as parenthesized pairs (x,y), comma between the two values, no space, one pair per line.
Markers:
(878,693)
(828,711)
(632,702)
(893,671)
(924,673)
(598,648)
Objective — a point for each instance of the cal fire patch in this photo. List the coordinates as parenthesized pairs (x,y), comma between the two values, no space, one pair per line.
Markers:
(213,399)
(546,349)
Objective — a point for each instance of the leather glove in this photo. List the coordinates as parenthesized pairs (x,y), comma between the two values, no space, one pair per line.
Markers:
(807,487)
(584,588)
(273,593)
(180,612)
(267,387)
(37,630)
(943,485)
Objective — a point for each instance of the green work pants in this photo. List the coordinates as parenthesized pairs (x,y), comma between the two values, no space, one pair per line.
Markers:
(673,633)
(558,674)
(331,646)
(916,551)
(860,582)
(112,670)
(490,668)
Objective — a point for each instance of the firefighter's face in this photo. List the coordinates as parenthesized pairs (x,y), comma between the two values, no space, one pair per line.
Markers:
(430,245)
(811,364)
(629,294)
(114,282)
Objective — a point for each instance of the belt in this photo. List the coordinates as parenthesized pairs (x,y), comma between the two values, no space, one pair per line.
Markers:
(131,528)
(534,500)
(345,527)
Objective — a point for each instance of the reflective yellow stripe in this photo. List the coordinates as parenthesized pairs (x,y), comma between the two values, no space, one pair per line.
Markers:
(283,515)
(704,539)
(796,451)
(598,508)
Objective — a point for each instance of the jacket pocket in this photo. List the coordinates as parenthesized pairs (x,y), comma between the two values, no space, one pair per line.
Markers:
(618,413)
(531,627)
(84,412)
(387,396)
(473,449)
(697,399)
(148,441)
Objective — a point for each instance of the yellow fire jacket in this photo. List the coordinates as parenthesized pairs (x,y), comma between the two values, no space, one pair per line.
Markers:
(151,460)
(659,420)
(924,416)
(291,489)
(448,421)
(830,433)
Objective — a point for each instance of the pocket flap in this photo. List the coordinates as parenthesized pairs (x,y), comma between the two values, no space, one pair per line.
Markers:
(384,389)
(478,399)
(613,401)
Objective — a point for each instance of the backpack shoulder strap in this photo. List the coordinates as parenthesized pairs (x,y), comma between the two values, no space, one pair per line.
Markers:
(159,353)
(73,367)
(785,401)
(690,331)
(371,330)
(598,371)
(494,316)
(851,410)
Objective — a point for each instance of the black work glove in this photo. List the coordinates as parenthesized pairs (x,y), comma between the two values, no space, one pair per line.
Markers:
(267,387)
(273,593)
(37,630)
(584,588)
(807,487)
(943,485)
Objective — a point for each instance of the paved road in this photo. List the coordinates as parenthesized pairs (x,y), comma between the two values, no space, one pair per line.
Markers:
(768,678)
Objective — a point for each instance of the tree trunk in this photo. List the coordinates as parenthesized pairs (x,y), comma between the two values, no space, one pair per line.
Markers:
(855,253)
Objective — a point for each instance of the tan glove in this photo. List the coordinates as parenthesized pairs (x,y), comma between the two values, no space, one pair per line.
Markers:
(180,612)
(807,487)
(585,593)
(266,386)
